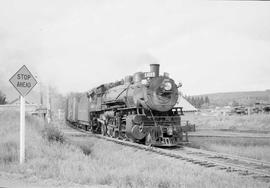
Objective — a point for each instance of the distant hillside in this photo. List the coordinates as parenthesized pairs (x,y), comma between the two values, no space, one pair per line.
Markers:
(245,98)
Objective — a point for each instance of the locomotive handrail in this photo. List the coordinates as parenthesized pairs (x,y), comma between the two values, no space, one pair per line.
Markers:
(128,108)
(122,92)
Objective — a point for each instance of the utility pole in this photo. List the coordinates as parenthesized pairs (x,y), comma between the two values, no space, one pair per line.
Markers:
(41,94)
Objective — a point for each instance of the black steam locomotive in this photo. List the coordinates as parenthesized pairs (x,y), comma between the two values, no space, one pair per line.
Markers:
(139,108)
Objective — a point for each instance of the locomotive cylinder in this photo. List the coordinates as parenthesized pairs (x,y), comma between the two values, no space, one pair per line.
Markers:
(154,68)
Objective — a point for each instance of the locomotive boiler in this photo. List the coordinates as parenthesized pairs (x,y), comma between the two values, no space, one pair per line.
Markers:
(140,108)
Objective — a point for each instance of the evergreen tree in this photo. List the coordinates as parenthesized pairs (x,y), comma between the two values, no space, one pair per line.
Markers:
(192,101)
(2,98)
(198,101)
(207,101)
(201,102)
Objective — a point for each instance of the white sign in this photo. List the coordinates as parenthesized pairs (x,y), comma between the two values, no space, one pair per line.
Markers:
(23,81)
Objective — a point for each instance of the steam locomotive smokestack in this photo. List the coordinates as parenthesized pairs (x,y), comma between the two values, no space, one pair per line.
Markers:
(154,68)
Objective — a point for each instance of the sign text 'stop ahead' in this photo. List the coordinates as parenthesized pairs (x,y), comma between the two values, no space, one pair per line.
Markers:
(23,81)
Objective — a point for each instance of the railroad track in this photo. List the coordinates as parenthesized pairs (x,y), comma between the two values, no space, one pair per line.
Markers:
(243,166)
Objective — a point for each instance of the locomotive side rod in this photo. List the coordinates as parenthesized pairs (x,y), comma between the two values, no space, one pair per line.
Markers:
(261,172)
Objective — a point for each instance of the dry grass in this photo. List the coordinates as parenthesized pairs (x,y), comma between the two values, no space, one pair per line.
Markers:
(257,148)
(53,134)
(252,123)
(99,162)
(9,134)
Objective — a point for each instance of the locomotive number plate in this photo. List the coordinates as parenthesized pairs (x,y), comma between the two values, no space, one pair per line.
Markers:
(149,74)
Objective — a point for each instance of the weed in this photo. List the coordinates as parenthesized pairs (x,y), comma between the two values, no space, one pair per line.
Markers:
(86,149)
(53,134)
(164,184)
(8,151)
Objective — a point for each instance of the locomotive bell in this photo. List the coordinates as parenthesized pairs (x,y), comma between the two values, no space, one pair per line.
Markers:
(128,79)
(155,68)
(137,77)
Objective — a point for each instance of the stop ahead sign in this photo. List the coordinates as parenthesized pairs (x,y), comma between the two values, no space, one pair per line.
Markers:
(23,81)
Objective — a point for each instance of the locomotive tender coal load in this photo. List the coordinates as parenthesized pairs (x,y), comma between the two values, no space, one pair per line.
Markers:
(139,108)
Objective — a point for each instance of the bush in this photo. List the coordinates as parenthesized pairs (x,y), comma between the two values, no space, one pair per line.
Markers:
(86,149)
(53,134)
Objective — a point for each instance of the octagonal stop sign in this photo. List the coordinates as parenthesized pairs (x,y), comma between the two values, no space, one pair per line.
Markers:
(23,81)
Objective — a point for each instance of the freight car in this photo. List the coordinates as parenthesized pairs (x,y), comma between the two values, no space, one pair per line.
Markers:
(140,108)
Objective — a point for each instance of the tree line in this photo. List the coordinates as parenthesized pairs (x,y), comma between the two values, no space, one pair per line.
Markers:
(198,102)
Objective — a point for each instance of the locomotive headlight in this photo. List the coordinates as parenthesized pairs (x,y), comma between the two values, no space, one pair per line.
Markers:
(167,86)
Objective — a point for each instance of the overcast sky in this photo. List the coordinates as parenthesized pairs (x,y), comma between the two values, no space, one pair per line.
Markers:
(215,46)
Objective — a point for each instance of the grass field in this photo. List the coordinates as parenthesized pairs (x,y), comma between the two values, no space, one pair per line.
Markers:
(258,148)
(252,123)
(97,162)
(246,147)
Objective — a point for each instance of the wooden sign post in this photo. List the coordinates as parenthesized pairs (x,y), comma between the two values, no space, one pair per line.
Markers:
(23,81)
